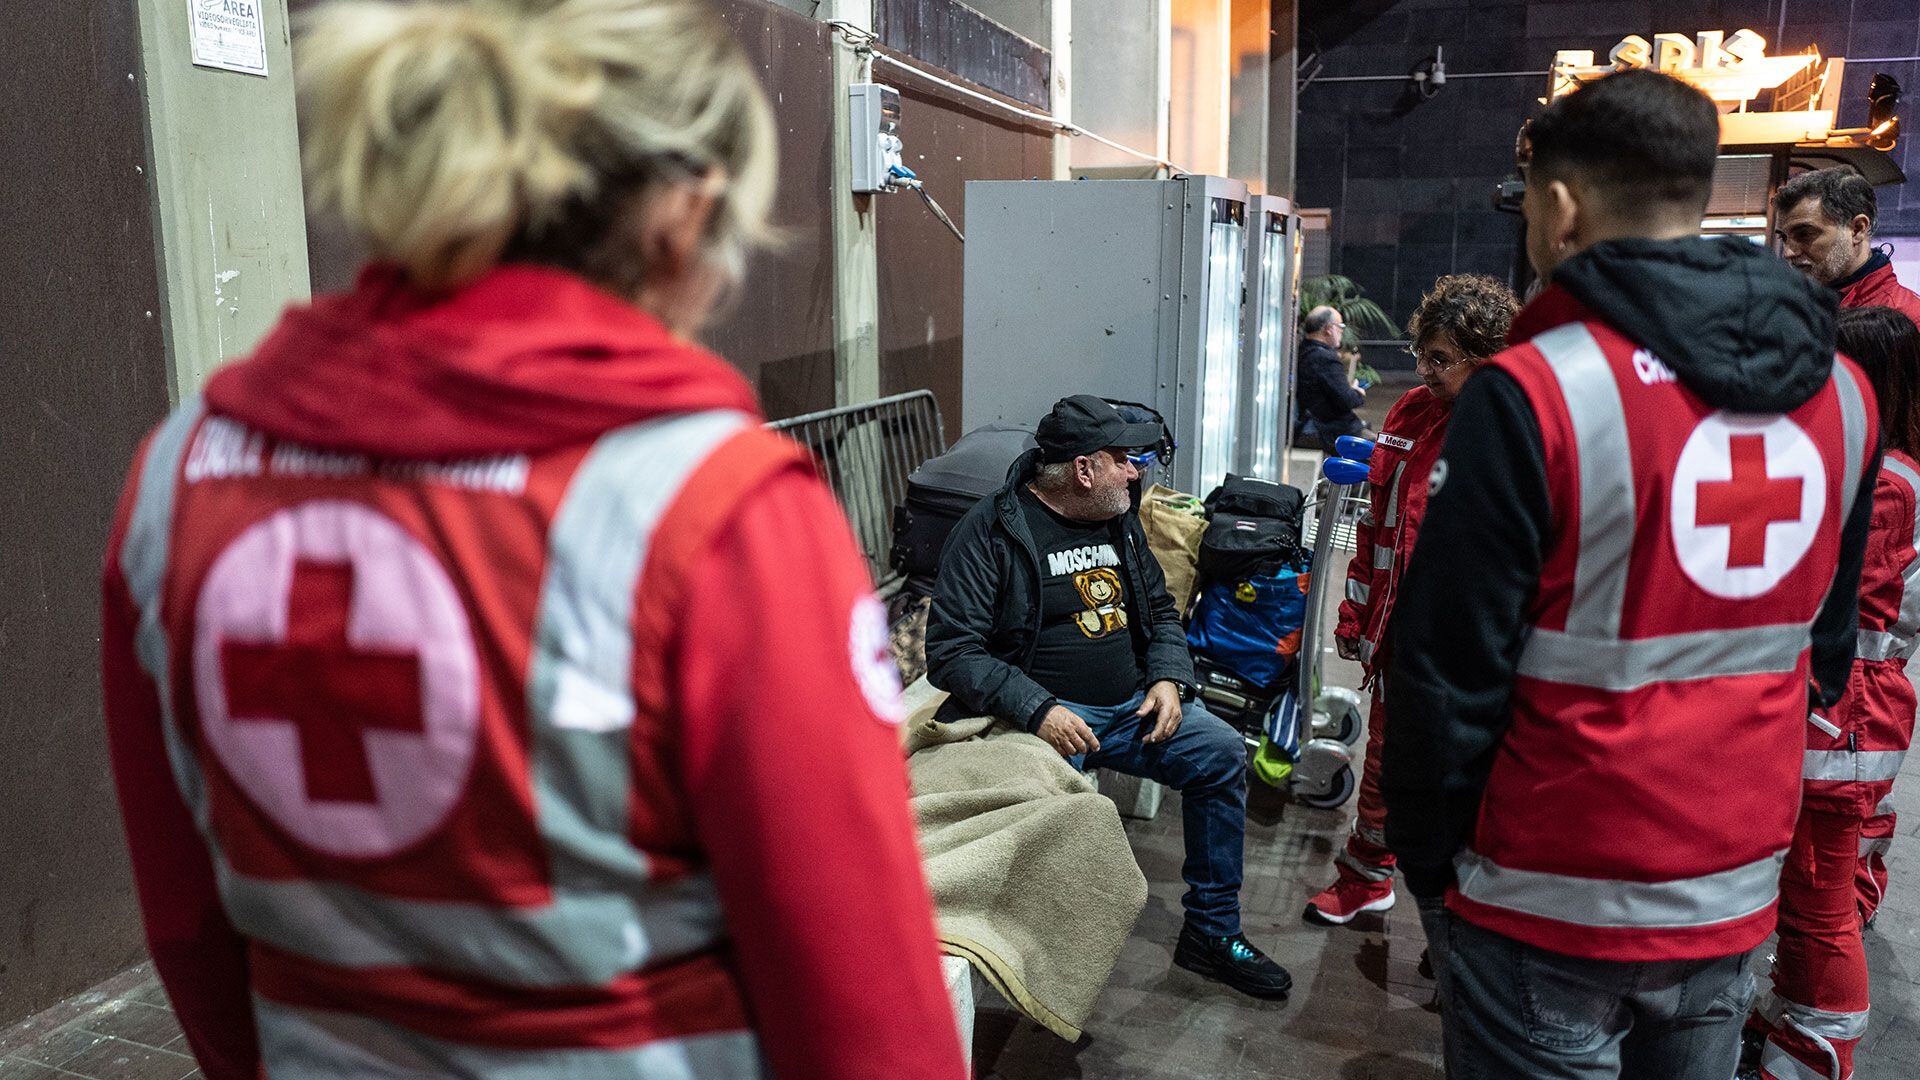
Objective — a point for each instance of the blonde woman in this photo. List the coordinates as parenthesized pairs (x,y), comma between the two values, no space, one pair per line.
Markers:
(488,694)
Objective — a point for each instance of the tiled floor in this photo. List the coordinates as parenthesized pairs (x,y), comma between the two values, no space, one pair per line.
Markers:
(1359,1011)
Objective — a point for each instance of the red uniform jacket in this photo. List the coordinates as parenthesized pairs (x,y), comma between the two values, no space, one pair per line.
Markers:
(481,677)
(1409,443)
(1855,749)
(1638,807)
(1880,288)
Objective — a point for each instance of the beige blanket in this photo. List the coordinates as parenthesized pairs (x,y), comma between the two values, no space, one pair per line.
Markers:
(1031,873)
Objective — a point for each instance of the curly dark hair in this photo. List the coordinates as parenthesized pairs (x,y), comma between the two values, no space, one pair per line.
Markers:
(1475,309)
(1886,345)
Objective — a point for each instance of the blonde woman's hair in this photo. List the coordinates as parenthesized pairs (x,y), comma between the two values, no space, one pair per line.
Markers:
(454,133)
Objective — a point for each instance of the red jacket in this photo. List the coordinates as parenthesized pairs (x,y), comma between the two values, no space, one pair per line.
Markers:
(448,641)
(1855,749)
(1881,288)
(1642,799)
(1403,456)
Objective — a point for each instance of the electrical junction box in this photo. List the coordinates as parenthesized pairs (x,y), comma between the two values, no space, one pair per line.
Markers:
(873,112)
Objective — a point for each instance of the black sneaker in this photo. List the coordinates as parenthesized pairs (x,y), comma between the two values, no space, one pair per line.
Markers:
(1234,961)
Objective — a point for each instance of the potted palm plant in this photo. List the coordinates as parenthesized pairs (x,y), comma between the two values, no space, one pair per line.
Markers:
(1364,318)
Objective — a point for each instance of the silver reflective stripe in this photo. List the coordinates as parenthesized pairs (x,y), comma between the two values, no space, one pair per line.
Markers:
(1824,1022)
(1853,435)
(143,562)
(1885,806)
(1382,556)
(1393,495)
(1909,625)
(1852,766)
(1376,837)
(1599,420)
(1883,645)
(1627,664)
(1367,649)
(545,946)
(1780,1065)
(1366,871)
(299,1044)
(1821,722)
(1648,905)
(606,918)
(1358,591)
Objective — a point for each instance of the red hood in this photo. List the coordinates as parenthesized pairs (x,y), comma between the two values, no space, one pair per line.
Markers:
(523,360)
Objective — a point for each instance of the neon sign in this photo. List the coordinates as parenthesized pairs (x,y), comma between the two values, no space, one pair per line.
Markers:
(1732,69)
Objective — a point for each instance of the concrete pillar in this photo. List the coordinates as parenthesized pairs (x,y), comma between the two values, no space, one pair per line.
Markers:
(224,147)
(1283,106)
(856,252)
(1061,44)
(1119,83)
(1249,40)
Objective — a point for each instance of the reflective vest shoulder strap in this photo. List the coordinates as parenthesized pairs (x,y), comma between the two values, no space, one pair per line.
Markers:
(1591,396)
(1907,629)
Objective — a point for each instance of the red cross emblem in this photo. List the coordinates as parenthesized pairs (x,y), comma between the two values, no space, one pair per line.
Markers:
(1747,498)
(331,691)
(1748,502)
(336,677)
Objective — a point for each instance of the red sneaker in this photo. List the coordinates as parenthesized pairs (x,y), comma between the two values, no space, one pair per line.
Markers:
(1338,903)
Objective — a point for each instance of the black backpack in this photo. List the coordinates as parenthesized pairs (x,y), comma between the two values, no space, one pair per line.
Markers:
(943,489)
(1236,547)
(1250,496)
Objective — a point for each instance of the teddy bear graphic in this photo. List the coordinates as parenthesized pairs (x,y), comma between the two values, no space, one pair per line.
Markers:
(1100,591)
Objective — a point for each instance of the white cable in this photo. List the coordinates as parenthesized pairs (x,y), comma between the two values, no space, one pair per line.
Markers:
(1026,114)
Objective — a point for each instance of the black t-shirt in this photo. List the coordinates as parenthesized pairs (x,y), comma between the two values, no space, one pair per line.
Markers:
(1085,650)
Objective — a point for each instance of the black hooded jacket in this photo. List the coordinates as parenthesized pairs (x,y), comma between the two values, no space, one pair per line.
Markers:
(986,612)
(1741,329)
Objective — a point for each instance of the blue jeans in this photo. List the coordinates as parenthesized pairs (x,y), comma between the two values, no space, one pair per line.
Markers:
(1513,1009)
(1206,762)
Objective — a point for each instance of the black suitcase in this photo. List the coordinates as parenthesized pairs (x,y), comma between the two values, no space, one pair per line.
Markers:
(1236,547)
(943,489)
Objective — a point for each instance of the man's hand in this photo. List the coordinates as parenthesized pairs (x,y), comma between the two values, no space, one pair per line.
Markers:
(1066,732)
(1163,704)
(1349,647)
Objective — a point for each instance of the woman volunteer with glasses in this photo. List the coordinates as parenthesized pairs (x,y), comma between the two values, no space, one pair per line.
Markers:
(1460,324)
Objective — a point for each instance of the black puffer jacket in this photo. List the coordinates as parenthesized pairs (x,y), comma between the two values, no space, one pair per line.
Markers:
(985,618)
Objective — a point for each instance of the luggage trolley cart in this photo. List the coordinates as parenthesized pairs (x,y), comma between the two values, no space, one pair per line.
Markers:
(1317,767)
(1323,766)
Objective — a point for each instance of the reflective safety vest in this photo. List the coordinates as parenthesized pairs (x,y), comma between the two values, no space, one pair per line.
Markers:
(1855,749)
(419,712)
(1644,796)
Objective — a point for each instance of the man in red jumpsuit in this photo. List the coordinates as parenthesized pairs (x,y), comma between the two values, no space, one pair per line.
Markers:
(1825,221)
(1458,325)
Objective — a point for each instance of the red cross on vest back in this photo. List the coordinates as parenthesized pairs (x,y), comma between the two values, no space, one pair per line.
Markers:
(331,691)
(1748,502)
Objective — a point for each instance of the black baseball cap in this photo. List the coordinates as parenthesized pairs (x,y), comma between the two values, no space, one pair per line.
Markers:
(1083,424)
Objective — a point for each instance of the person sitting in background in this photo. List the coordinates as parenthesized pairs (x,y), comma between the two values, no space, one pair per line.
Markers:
(1824,220)
(1458,326)
(1051,614)
(1328,395)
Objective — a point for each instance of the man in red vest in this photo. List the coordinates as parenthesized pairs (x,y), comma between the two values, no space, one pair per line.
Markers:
(1617,611)
(1824,220)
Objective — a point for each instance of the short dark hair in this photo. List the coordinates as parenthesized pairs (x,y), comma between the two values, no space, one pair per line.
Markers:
(1317,320)
(1843,194)
(1886,345)
(1474,309)
(1646,141)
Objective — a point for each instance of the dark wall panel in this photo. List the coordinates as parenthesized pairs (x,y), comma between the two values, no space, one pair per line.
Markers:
(949,140)
(80,343)
(1410,182)
(778,328)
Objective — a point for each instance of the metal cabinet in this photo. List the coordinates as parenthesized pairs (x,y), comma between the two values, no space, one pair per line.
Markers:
(1129,289)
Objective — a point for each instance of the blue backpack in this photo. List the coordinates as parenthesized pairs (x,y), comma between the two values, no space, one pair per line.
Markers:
(1252,627)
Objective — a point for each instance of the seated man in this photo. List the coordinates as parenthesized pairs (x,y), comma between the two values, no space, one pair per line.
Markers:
(1328,395)
(1050,613)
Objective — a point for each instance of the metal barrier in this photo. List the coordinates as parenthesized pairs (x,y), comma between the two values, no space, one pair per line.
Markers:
(865,452)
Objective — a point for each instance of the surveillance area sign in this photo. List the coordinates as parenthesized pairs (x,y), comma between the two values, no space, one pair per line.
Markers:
(228,34)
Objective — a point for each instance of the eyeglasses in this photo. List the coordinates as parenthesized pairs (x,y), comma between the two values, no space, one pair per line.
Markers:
(1434,360)
(1141,459)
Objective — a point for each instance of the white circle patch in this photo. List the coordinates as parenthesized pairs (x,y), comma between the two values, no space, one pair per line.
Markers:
(337,679)
(869,648)
(1748,495)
